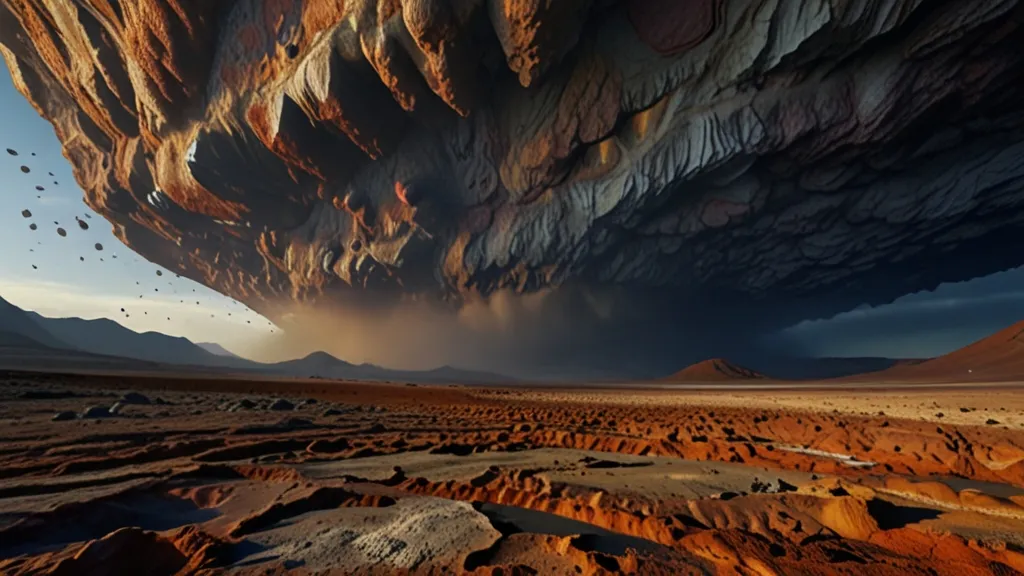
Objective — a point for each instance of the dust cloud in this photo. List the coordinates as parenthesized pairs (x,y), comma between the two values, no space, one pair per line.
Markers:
(506,332)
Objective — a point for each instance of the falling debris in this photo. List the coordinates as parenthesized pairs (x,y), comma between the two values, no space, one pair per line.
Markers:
(34,267)
(50,173)
(26,213)
(62,232)
(82,258)
(159,273)
(12,151)
(99,246)
(32,226)
(25,169)
(82,224)
(40,188)
(122,309)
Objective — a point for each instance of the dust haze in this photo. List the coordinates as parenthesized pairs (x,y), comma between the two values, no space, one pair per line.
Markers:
(532,334)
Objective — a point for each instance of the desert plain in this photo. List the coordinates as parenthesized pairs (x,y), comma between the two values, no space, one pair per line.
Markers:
(160,474)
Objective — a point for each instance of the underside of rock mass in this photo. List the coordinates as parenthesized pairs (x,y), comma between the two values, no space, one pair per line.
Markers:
(695,163)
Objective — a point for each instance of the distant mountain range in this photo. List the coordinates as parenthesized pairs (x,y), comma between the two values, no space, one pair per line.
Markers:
(216,349)
(29,338)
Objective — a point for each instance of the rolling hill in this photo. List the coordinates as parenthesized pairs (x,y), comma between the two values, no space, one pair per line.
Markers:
(713,370)
(999,357)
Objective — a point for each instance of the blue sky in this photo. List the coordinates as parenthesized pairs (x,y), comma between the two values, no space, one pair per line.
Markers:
(63,285)
(917,325)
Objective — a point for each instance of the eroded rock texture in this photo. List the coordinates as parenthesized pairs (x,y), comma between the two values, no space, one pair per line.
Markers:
(764,160)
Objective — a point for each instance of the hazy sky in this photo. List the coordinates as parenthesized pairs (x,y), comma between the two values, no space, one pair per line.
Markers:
(918,325)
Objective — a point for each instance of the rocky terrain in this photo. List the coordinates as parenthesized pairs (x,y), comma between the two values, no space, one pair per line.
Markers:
(103,475)
(679,163)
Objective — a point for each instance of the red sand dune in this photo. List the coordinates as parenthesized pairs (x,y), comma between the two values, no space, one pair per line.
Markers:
(994,358)
(713,370)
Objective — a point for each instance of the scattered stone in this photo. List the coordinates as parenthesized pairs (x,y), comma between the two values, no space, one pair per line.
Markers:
(26,213)
(282,404)
(331,412)
(292,423)
(64,416)
(135,398)
(786,486)
(991,422)
(243,404)
(96,412)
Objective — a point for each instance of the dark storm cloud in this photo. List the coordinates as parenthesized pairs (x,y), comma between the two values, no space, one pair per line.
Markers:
(918,325)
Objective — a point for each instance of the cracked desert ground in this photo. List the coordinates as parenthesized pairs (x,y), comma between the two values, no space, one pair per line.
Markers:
(232,476)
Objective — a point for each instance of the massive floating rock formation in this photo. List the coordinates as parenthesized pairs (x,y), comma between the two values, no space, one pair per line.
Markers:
(760,161)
